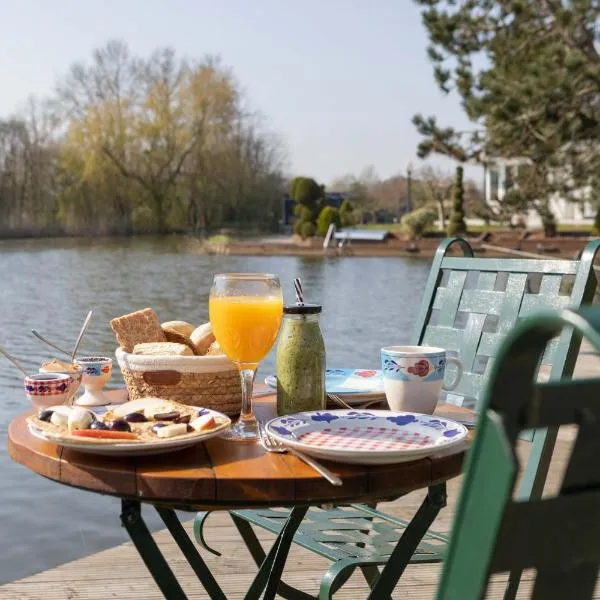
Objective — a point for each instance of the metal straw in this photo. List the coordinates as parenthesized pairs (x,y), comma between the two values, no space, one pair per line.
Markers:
(299,293)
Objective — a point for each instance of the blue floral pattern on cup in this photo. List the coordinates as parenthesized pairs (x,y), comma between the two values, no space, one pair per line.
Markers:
(424,368)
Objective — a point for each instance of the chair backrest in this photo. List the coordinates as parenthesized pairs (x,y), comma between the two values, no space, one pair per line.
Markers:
(470,304)
(558,536)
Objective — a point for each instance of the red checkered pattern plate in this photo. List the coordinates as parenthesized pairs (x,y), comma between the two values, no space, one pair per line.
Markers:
(372,439)
(366,437)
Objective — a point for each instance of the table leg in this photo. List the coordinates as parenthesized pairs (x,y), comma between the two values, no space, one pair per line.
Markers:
(271,569)
(131,518)
(409,542)
(259,555)
(190,552)
(268,576)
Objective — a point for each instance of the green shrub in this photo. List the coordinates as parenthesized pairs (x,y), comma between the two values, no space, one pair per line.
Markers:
(328,216)
(418,221)
(305,190)
(298,227)
(347,214)
(305,213)
(216,244)
(307,229)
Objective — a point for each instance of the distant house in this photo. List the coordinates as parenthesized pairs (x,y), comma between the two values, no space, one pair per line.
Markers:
(501,175)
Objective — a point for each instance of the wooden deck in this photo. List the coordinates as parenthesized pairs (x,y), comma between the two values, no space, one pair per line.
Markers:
(120,573)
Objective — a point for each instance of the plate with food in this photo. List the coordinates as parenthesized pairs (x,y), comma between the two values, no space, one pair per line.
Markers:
(366,437)
(135,428)
(353,385)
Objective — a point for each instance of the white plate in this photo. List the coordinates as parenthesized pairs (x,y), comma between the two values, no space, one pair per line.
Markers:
(137,449)
(355,386)
(367,437)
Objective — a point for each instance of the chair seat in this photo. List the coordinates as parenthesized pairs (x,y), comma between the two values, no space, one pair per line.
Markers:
(355,533)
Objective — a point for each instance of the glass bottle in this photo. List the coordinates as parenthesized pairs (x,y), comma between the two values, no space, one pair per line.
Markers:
(300,360)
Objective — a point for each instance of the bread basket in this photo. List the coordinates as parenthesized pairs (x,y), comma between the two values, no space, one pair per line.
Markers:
(208,381)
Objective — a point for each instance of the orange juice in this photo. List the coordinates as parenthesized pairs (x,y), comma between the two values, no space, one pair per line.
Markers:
(245,326)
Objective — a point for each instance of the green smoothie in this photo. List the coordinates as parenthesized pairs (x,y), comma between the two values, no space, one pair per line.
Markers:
(300,361)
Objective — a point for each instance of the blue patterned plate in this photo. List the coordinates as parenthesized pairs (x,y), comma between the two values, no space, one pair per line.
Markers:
(366,437)
(351,384)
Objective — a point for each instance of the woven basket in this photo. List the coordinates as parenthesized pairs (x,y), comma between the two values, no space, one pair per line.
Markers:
(208,381)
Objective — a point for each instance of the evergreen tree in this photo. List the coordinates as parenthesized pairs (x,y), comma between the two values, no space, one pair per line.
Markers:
(536,96)
(456,223)
(327,216)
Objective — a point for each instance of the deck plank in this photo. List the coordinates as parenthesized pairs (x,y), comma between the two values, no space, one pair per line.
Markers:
(120,573)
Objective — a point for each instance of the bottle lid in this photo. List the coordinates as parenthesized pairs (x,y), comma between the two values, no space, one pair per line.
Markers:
(302,309)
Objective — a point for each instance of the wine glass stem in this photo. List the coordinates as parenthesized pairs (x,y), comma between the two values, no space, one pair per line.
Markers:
(247,376)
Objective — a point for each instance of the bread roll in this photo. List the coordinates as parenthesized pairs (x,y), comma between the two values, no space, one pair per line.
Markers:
(162,349)
(215,350)
(174,336)
(181,327)
(202,337)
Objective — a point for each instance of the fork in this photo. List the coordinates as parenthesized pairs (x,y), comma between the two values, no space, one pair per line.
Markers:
(340,402)
(270,444)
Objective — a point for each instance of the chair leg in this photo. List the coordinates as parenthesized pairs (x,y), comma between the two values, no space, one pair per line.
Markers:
(371,574)
(335,577)
(409,542)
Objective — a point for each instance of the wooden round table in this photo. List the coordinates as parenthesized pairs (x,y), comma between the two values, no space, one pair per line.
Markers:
(219,475)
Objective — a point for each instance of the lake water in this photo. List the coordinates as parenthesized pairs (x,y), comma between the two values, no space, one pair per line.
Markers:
(50,285)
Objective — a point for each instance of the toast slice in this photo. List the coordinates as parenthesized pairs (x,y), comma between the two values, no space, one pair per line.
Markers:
(137,327)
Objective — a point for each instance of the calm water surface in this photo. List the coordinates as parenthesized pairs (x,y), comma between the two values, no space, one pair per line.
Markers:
(51,284)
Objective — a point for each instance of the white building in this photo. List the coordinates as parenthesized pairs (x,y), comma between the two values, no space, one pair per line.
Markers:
(499,177)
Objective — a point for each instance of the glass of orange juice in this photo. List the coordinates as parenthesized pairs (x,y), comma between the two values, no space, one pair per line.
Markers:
(245,313)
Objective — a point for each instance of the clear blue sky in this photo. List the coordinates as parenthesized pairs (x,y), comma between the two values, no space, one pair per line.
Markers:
(339,80)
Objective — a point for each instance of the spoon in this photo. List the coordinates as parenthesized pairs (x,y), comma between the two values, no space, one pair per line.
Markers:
(83,328)
(13,360)
(41,337)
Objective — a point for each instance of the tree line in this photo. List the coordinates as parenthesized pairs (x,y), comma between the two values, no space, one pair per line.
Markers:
(129,144)
(428,187)
(432,195)
(527,73)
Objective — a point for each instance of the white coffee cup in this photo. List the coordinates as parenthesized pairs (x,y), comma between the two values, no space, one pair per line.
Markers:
(413,376)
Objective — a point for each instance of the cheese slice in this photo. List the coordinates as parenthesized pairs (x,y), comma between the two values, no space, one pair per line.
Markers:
(79,418)
(203,423)
(171,430)
(59,419)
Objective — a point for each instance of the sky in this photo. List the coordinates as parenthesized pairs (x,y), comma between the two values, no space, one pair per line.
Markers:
(337,80)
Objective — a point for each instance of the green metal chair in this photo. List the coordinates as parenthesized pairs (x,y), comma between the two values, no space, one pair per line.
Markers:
(494,532)
(468,306)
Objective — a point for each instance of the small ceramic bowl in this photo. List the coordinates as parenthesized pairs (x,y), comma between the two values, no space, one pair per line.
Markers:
(48,389)
(97,371)
(76,376)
